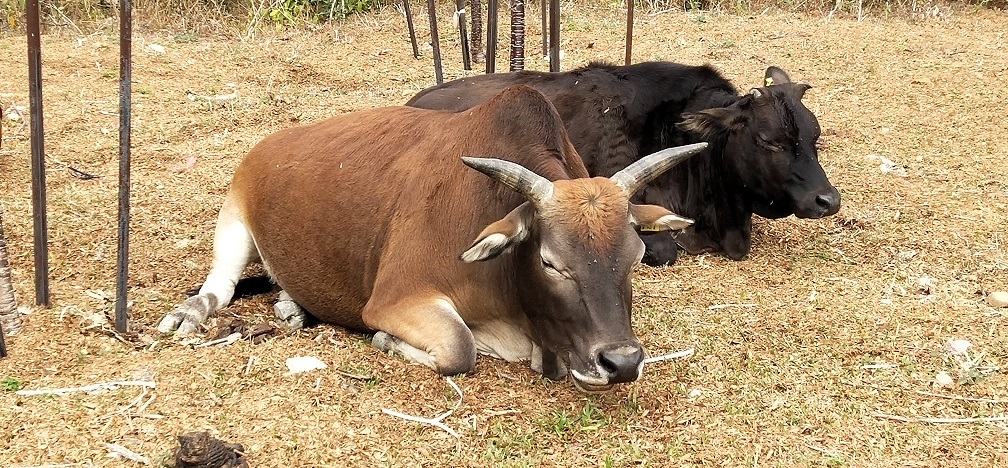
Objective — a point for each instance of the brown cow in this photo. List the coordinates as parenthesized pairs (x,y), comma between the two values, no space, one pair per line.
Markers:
(361,220)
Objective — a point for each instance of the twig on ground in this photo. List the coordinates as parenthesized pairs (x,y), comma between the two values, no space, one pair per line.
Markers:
(218,98)
(81,174)
(656,296)
(726,306)
(881,365)
(669,357)
(924,393)
(822,451)
(352,376)
(124,409)
(961,398)
(61,465)
(910,419)
(98,387)
(248,366)
(435,421)
(116,449)
(226,341)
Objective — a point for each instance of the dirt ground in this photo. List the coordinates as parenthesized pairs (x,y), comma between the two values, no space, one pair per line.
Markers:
(820,349)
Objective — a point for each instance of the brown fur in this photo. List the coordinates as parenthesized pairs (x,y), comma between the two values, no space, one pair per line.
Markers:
(595,211)
(388,207)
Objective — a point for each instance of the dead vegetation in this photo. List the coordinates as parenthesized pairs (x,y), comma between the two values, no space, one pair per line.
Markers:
(824,348)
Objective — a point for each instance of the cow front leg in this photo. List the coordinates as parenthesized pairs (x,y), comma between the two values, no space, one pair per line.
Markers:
(234,249)
(426,331)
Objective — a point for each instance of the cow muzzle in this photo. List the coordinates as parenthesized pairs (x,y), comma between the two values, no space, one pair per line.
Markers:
(819,205)
(609,365)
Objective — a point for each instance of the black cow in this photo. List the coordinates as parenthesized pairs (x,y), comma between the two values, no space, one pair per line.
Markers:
(762,156)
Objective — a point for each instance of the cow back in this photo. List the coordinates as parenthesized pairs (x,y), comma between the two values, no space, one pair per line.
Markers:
(380,198)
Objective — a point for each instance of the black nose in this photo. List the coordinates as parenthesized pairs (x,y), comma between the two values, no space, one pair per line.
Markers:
(621,363)
(829,203)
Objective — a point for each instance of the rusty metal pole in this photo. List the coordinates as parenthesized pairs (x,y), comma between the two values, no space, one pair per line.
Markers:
(41,229)
(476,49)
(554,36)
(491,55)
(463,34)
(409,25)
(545,33)
(517,35)
(125,72)
(629,30)
(432,12)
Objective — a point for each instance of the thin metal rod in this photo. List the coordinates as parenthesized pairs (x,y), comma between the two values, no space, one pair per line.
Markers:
(463,34)
(629,30)
(517,35)
(545,33)
(476,49)
(554,36)
(125,72)
(432,13)
(41,228)
(491,55)
(409,26)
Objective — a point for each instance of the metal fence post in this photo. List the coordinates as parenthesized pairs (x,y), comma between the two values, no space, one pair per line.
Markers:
(125,71)
(41,236)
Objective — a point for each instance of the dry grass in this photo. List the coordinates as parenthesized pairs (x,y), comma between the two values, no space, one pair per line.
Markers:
(839,329)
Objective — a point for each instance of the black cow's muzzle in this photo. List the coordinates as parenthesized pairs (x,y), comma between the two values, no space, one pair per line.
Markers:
(609,365)
(820,205)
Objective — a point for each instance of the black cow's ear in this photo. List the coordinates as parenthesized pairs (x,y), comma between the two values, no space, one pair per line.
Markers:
(709,123)
(500,235)
(775,76)
(801,87)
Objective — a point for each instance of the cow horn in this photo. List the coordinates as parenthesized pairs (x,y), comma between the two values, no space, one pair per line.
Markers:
(534,187)
(645,169)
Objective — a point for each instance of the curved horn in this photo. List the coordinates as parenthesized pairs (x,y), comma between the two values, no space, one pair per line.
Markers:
(534,187)
(645,169)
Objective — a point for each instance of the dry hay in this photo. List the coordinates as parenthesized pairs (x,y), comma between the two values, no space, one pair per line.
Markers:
(835,326)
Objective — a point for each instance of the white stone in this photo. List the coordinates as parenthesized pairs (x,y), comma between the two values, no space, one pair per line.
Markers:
(998,299)
(943,379)
(958,347)
(299,364)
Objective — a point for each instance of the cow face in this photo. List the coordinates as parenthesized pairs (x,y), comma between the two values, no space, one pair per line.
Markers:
(770,145)
(574,248)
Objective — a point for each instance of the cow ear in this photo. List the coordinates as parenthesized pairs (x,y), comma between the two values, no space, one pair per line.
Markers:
(775,76)
(801,87)
(653,218)
(500,235)
(708,123)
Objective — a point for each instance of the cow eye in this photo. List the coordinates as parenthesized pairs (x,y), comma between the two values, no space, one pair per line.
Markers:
(767,144)
(548,265)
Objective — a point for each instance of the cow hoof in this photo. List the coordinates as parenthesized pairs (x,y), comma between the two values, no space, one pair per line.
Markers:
(291,314)
(183,320)
(391,344)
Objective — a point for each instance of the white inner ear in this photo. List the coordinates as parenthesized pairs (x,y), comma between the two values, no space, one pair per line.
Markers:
(674,222)
(485,248)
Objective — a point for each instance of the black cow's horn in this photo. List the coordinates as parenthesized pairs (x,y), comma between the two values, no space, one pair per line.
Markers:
(534,187)
(645,169)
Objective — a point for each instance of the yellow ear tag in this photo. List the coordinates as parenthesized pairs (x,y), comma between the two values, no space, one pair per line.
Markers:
(650,228)
(769,81)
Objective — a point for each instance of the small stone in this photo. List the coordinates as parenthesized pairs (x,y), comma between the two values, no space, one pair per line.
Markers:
(943,379)
(958,347)
(998,299)
(299,364)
